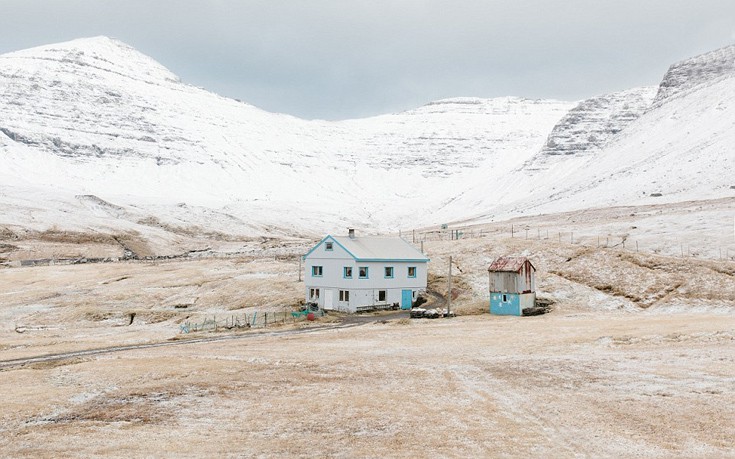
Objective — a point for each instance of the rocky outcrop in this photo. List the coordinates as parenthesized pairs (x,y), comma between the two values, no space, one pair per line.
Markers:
(700,70)
(593,122)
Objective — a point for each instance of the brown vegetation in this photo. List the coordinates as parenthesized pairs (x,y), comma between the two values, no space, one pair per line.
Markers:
(635,360)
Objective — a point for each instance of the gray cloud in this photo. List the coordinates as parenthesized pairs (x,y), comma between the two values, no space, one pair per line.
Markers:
(339,59)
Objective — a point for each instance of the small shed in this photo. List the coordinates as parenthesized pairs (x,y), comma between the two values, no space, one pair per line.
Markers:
(512,285)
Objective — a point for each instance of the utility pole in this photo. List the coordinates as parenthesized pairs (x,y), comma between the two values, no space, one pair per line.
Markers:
(449,287)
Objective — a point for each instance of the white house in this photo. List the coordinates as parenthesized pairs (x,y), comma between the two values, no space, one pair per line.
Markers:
(361,273)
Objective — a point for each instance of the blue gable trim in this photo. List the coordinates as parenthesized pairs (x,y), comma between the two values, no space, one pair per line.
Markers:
(328,237)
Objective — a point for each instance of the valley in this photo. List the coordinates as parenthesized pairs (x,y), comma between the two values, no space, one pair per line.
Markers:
(145,223)
(635,358)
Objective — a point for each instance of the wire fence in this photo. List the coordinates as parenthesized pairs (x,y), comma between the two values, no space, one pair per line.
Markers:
(256,319)
(609,241)
(289,254)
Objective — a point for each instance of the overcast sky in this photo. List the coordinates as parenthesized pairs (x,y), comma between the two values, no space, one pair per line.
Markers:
(337,59)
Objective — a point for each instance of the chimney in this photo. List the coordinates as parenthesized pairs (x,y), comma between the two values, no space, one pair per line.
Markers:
(351,232)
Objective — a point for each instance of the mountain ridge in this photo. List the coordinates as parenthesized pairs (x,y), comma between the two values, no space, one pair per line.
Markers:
(72,129)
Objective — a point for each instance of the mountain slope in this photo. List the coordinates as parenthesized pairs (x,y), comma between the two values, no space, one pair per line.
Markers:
(93,121)
(102,119)
(679,149)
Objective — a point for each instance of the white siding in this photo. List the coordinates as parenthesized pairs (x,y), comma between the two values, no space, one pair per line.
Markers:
(363,292)
(528,300)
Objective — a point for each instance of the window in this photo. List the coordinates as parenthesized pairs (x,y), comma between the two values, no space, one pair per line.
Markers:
(411,271)
(344,295)
(348,272)
(314,293)
(381,295)
(328,246)
(317,271)
(362,272)
(505,298)
(389,272)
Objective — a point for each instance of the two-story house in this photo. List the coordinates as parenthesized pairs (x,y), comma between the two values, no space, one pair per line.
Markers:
(360,273)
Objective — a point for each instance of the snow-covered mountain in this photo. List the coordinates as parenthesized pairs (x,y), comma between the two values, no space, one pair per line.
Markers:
(680,148)
(94,134)
(134,134)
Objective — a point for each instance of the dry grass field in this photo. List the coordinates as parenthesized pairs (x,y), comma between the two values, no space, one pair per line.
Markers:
(636,359)
(562,385)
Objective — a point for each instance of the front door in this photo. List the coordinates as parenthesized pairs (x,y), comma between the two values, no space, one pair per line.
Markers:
(328,299)
(406,299)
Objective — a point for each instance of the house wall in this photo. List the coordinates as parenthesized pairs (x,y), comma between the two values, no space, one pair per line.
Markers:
(363,292)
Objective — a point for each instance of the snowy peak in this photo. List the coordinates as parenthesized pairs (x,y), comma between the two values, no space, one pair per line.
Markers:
(85,99)
(697,71)
(85,54)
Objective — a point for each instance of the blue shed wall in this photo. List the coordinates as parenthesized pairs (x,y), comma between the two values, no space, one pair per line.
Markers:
(510,307)
(513,306)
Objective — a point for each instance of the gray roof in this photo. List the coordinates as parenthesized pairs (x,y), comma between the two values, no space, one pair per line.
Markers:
(370,248)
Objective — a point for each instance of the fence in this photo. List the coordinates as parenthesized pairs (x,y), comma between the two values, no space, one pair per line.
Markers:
(609,241)
(256,319)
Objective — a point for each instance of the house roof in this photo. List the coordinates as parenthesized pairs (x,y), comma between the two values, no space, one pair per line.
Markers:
(509,264)
(370,248)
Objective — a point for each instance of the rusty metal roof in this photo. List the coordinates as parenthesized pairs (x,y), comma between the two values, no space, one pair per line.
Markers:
(509,264)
